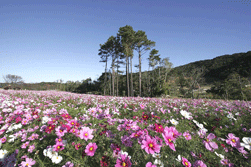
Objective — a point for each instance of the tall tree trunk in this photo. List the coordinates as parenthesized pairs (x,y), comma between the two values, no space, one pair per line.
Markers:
(105,75)
(127,76)
(113,75)
(139,73)
(132,94)
(117,79)
(148,81)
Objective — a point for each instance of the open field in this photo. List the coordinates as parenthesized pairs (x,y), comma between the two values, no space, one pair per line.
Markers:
(51,128)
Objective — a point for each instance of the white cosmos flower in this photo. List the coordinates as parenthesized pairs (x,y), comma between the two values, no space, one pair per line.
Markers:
(17,126)
(156,155)
(159,163)
(51,153)
(179,158)
(45,119)
(247,143)
(3,154)
(174,122)
(219,155)
(12,138)
(186,114)
(56,159)
(230,116)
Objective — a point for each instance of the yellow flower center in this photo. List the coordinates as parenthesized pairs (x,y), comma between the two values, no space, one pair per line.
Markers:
(233,140)
(123,164)
(169,140)
(151,145)
(86,134)
(186,163)
(91,148)
(59,139)
(159,127)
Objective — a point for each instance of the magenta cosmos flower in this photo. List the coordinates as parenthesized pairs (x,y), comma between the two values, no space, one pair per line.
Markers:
(209,144)
(150,145)
(90,149)
(199,163)
(58,146)
(28,162)
(86,133)
(149,164)
(232,140)
(123,161)
(158,128)
(169,139)
(185,162)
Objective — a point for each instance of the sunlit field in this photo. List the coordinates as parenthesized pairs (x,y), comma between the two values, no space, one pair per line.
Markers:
(50,128)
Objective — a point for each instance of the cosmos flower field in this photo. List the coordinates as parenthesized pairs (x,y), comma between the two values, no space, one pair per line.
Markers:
(50,128)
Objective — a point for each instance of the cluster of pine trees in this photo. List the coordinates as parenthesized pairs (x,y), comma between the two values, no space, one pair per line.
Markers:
(120,49)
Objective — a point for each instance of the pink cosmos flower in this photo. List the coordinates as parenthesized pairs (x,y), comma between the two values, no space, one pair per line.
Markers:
(68,164)
(3,139)
(149,164)
(232,140)
(150,145)
(31,148)
(90,149)
(123,161)
(185,162)
(142,106)
(72,122)
(86,133)
(169,139)
(209,144)
(75,131)
(33,136)
(60,131)
(28,162)
(173,130)
(59,140)
(24,121)
(187,136)
(199,163)
(25,144)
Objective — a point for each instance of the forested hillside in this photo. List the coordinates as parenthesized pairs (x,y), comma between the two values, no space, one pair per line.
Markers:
(219,68)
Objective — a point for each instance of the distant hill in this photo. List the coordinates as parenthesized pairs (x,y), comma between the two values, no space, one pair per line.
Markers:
(219,68)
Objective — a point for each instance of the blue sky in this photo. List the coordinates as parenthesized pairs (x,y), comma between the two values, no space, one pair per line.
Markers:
(50,40)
